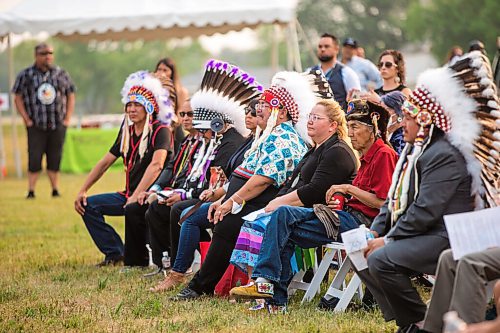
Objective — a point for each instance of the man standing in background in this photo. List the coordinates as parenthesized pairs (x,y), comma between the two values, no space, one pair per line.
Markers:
(341,78)
(368,74)
(45,99)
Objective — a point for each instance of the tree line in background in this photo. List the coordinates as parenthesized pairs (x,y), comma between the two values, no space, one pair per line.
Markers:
(99,69)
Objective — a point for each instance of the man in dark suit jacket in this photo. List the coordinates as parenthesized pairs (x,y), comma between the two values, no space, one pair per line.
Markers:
(431,180)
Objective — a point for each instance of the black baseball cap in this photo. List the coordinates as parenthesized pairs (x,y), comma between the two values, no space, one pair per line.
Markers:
(476,45)
(350,42)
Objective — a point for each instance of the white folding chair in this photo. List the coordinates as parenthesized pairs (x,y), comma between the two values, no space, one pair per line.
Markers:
(338,287)
(297,283)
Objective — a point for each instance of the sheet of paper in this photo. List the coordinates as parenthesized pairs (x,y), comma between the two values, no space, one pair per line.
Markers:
(255,215)
(355,241)
(358,260)
(473,231)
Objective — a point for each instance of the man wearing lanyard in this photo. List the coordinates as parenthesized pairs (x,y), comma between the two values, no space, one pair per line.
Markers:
(45,99)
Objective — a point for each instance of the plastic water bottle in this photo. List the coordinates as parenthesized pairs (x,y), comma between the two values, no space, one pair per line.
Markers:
(368,233)
(453,323)
(165,261)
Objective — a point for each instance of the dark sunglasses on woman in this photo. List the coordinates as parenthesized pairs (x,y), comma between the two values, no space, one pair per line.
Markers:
(386,64)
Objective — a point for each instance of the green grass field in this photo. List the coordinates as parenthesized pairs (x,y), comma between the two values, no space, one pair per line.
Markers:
(48,282)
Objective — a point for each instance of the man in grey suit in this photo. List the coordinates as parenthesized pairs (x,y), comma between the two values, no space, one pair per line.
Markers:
(461,286)
(431,180)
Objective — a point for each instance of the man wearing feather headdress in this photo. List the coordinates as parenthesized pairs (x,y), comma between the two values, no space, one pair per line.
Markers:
(144,143)
(445,168)
(219,114)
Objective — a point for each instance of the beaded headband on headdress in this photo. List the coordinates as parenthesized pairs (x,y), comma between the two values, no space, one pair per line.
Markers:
(144,88)
(144,97)
(427,110)
(277,96)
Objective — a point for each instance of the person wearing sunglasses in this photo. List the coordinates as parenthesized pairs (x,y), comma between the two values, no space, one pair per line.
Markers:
(391,65)
(45,99)
(174,176)
(194,227)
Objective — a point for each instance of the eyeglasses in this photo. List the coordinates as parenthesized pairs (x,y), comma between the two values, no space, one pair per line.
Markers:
(44,53)
(252,112)
(262,106)
(387,64)
(314,117)
(183,114)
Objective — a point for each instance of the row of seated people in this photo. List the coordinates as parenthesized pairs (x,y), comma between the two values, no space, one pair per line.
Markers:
(273,169)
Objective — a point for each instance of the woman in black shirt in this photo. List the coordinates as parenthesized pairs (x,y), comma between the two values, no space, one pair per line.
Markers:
(391,65)
(331,161)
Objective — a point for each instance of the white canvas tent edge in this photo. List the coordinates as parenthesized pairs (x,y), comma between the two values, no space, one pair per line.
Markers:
(86,20)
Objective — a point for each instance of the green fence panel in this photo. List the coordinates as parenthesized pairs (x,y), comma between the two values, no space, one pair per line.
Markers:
(84,148)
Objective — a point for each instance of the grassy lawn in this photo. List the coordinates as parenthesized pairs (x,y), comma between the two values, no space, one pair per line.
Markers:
(48,281)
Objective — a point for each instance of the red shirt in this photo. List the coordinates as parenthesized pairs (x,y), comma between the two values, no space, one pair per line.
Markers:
(374,175)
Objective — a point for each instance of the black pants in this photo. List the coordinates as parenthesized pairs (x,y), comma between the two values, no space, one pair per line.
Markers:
(161,225)
(48,142)
(217,260)
(136,235)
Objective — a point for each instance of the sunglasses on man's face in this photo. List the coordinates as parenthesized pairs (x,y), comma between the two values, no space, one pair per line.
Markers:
(386,64)
(44,53)
(252,112)
(183,114)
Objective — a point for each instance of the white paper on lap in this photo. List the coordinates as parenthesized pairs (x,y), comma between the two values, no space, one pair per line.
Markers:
(473,231)
(355,242)
(255,215)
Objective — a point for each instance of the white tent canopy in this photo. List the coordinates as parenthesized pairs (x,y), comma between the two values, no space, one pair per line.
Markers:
(146,19)
(100,20)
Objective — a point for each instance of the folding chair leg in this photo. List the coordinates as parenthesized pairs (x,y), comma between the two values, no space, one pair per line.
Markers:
(348,294)
(296,282)
(315,284)
(338,280)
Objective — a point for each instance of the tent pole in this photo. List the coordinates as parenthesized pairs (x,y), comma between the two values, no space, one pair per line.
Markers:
(289,47)
(295,47)
(309,46)
(275,48)
(15,148)
(3,159)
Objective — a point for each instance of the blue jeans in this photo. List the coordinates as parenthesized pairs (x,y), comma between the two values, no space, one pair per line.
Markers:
(105,237)
(291,226)
(190,237)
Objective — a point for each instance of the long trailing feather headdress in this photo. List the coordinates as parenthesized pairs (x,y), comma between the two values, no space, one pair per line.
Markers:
(224,93)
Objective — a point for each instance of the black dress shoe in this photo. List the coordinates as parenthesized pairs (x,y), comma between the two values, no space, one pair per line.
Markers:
(410,329)
(31,195)
(186,294)
(328,304)
(55,194)
(111,262)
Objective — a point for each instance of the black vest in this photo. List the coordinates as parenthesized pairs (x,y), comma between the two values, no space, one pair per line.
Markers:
(337,84)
